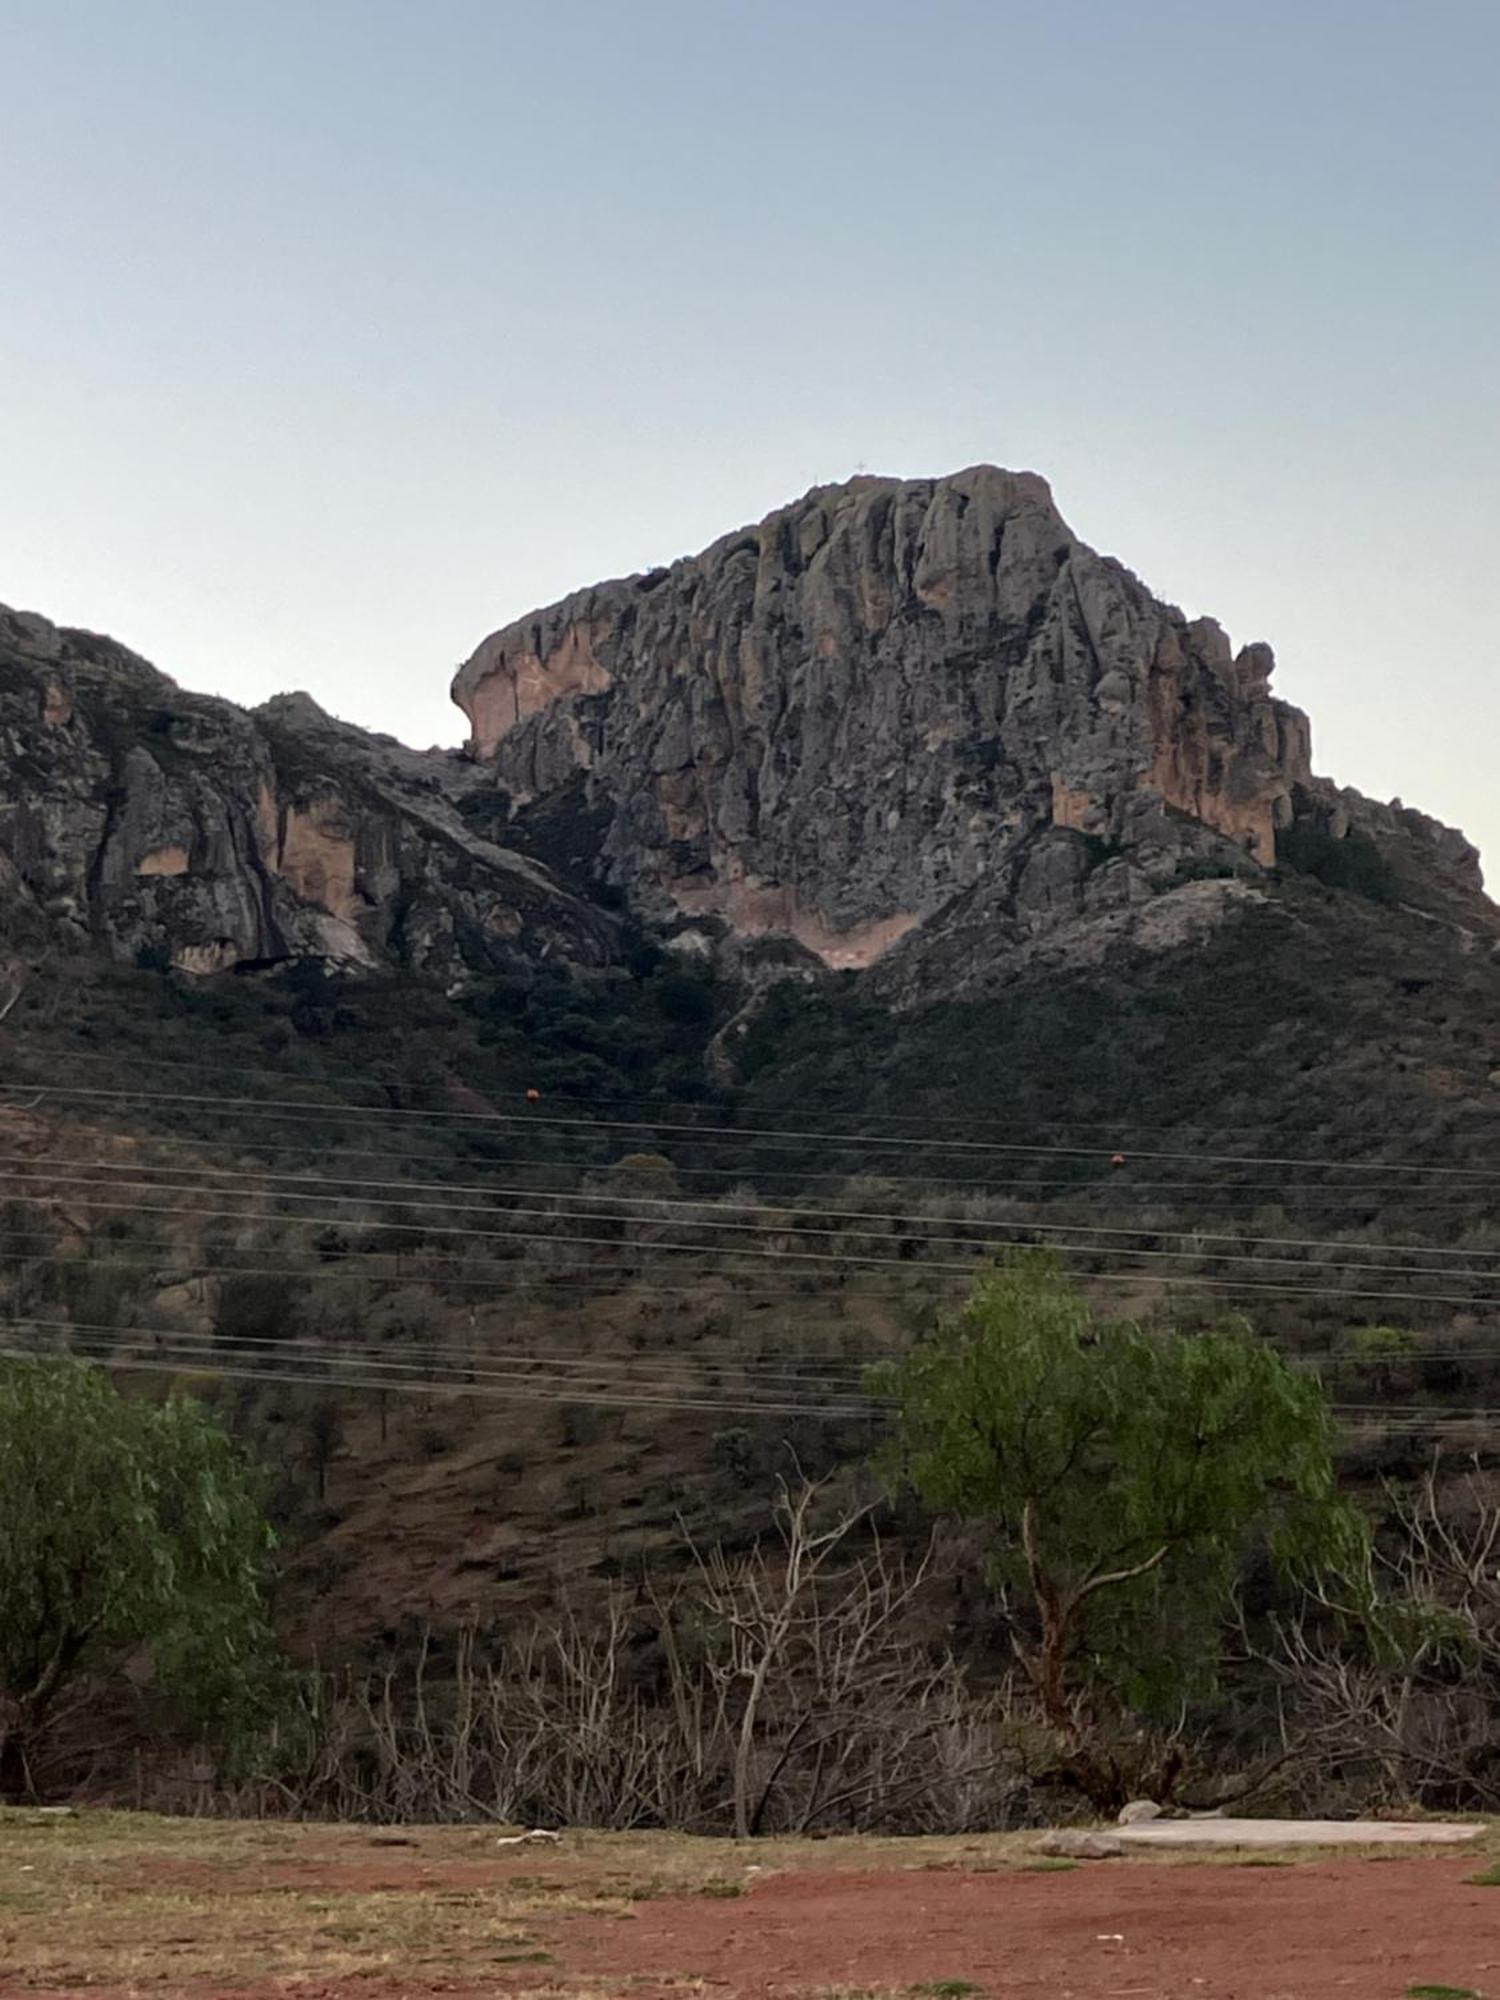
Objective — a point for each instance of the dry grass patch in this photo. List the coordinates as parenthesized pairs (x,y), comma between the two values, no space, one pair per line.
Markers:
(133,1903)
(184,1905)
(206,1906)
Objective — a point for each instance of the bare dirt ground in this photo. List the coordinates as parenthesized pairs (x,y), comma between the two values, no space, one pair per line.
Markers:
(116,1907)
(1352,1928)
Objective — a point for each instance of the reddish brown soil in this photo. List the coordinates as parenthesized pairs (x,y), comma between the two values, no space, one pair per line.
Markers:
(1364,1929)
(1345,1930)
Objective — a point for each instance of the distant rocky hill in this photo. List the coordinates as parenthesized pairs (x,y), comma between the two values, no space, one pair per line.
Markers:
(892,708)
(895,707)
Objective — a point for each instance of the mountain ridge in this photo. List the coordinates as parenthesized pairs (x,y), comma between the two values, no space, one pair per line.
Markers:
(1154,736)
(914,728)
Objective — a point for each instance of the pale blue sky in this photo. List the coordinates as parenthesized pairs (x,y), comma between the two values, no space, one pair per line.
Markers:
(333,335)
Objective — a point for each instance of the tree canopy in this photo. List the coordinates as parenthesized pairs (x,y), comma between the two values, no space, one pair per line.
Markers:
(1123,1476)
(130,1528)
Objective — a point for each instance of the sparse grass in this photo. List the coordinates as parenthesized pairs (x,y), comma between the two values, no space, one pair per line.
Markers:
(842,1993)
(191,1906)
(1487,1878)
(187,1905)
(1424,1992)
(185,1909)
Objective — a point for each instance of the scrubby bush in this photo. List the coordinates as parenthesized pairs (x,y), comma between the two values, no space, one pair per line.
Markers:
(1354,863)
(131,1528)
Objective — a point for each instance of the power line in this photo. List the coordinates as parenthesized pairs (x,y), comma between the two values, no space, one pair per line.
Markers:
(451,1355)
(595,1285)
(1368,1417)
(700,1133)
(1121,1274)
(355,1264)
(306,1378)
(786,1222)
(1111,1182)
(323,1080)
(1113,1189)
(798,1219)
(447,1356)
(555,1240)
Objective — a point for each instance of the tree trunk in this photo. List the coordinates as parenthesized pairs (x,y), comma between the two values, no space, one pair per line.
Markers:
(1051,1670)
(16,1787)
(745,1745)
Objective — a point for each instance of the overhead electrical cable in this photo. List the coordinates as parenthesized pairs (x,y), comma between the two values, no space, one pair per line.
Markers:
(350,1079)
(474,1356)
(797,1223)
(702,1209)
(450,1356)
(1373,1417)
(198,1364)
(702,1132)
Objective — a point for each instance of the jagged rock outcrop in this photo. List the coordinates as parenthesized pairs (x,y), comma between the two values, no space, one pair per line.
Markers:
(885,697)
(173,828)
(914,723)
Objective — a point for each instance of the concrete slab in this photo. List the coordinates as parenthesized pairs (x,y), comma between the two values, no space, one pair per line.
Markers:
(1293,1833)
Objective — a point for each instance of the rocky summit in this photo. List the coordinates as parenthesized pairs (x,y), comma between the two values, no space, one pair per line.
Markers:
(914,728)
(896,705)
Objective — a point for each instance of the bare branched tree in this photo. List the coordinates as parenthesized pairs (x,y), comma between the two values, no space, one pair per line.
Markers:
(1410,1713)
(786,1689)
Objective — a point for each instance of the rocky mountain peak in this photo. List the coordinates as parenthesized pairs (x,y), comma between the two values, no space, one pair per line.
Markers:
(913,724)
(886,696)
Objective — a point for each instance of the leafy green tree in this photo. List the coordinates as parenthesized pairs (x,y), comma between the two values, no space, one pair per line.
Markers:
(130,1529)
(1125,1476)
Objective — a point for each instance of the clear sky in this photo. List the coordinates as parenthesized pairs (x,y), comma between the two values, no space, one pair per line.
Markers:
(334,333)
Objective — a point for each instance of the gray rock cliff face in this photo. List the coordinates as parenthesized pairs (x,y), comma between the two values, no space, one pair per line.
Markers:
(890,703)
(170,827)
(914,724)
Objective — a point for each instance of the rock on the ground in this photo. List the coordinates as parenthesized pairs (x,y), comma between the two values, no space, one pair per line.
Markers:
(1073,1844)
(1138,1810)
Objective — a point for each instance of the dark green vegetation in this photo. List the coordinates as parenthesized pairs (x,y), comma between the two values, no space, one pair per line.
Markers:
(1311,1024)
(131,1528)
(1121,1478)
(1353,863)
